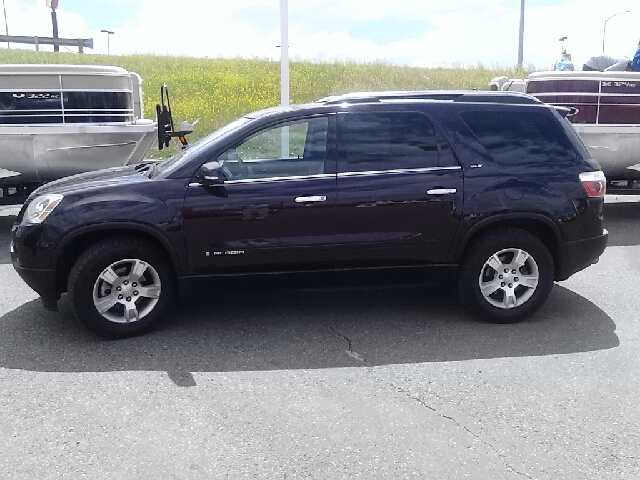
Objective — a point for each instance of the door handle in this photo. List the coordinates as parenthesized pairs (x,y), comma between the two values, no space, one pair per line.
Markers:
(312,198)
(441,191)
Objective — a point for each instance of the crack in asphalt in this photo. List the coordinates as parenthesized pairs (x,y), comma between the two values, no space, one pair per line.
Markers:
(330,327)
(351,352)
(502,457)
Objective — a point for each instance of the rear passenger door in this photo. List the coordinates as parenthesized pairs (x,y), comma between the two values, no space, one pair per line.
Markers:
(399,189)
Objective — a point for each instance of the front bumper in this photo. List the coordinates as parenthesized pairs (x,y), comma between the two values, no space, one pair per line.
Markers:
(28,258)
(576,256)
(42,281)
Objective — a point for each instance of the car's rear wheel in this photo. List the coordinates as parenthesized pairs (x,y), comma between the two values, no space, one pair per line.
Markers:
(121,287)
(506,276)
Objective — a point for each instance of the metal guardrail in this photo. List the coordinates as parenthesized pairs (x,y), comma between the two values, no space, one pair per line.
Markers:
(81,43)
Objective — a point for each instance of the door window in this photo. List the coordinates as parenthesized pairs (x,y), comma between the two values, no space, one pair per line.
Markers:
(293,149)
(389,141)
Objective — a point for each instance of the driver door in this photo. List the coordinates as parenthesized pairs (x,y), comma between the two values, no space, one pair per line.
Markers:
(275,210)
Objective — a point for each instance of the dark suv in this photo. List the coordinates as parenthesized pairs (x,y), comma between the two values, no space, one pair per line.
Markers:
(493,190)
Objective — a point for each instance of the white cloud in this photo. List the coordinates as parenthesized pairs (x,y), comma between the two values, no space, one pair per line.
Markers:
(459,31)
(35,20)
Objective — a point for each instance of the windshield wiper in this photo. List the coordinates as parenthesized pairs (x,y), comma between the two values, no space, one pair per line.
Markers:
(144,166)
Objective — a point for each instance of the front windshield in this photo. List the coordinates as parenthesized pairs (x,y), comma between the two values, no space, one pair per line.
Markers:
(166,165)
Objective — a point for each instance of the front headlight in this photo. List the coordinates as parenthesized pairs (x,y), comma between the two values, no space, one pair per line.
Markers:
(41,207)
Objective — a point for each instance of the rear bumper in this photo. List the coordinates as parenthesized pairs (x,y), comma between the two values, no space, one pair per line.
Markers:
(576,256)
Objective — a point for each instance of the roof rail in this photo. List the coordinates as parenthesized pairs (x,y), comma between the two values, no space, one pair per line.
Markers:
(481,96)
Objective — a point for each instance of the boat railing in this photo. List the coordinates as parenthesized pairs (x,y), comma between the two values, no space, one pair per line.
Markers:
(599,101)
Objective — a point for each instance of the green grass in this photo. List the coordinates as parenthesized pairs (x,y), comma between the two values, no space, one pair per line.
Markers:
(220,90)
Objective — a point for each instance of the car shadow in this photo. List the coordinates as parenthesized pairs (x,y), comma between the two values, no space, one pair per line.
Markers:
(292,329)
(623,222)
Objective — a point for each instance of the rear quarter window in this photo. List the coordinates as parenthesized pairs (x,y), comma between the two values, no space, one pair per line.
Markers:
(520,137)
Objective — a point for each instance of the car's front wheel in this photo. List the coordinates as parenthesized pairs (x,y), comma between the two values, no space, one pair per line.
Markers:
(121,287)
(506,276)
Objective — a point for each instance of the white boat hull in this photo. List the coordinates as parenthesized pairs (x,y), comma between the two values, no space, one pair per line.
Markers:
(615,147)
(42,154)
(60,120)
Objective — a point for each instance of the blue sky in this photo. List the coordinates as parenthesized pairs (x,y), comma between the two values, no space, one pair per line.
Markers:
(98,14)
(413,32)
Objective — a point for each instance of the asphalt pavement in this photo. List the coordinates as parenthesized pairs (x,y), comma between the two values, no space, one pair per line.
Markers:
(361,383)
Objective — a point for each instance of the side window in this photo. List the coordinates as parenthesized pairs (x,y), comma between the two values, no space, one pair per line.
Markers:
(389,141)
(520,137)
(291,149)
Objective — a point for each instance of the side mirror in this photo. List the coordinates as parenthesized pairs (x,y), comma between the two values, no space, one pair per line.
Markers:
(210,174)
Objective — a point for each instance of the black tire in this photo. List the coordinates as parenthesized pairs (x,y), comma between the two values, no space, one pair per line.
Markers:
(90,265)
(473,264)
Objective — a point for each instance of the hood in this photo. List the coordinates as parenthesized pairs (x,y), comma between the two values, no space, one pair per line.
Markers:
(90,180)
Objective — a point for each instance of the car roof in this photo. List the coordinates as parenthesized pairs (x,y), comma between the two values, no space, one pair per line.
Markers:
(458,96)
(479,96)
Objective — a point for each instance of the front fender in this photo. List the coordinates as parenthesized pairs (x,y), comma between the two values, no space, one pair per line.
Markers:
(178,260)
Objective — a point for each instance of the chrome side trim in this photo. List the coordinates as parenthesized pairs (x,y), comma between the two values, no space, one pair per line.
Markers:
(396,171)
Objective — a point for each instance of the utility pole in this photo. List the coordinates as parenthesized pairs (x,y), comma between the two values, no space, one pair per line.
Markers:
(284,52)
(284,70)
(521,44)
(6,25)
(53,4)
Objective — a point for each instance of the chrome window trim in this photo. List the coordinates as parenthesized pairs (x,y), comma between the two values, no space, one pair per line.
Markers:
(293,178)
(298,178)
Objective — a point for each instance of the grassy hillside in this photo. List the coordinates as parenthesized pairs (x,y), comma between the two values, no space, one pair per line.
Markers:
(220,90)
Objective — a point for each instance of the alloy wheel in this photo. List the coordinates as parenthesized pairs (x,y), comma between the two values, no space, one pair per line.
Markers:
(509,278)
(126,291)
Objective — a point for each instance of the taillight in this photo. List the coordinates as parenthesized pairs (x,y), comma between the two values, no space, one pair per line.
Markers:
(595,183)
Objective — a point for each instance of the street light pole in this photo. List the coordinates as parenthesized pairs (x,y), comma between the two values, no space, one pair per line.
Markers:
(6,25)
(284,53)
(521,44)
(53,4)
(604,32)
(109,33)
(284,71)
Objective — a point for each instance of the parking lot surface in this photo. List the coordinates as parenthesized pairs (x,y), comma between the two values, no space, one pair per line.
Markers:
(358,383)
